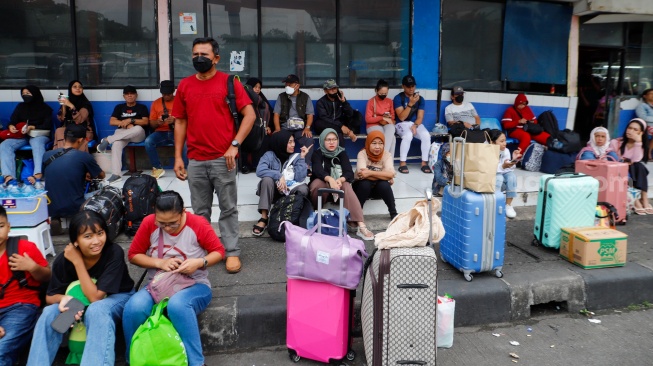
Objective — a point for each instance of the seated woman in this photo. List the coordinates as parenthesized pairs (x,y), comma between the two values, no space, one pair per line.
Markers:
(74,109)
(380,115)
(375,172)
(190,246)
(280,171)
(598,147)
(631,149)
(516,118)
(38,119)
(99,265)
(332,169)
(250,159)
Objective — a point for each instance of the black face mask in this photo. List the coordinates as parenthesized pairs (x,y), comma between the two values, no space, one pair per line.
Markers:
(27,98)
(382,96)
(459,98)
(202,64)
(332,96)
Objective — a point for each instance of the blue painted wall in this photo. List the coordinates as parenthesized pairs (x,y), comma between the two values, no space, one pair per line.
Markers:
(426,43)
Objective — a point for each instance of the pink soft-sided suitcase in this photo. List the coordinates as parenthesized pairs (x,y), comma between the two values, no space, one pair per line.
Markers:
(318,321)
(613,182)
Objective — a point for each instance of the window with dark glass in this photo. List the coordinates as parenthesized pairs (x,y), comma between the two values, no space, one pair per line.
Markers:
(472,33)
(37,43)
(116,43)
(374,41)
(182,41)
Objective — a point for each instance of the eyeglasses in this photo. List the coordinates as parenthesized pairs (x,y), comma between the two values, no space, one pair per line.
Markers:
(171,225)
(331,140)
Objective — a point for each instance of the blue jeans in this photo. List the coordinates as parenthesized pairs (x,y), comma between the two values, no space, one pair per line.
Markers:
(160,138)
(183,308)
(18,321)
(8,153)
(588,155)
(508,179)
(100,319)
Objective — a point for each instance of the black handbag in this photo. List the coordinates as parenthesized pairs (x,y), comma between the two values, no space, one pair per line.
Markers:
(533,128)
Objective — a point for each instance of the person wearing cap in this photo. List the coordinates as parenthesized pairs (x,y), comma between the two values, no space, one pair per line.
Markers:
(294,112)
(516,117)
(163,124)
(460,115)
(334,111)
(129,118)
(66,172)
(409,110)
(203,118)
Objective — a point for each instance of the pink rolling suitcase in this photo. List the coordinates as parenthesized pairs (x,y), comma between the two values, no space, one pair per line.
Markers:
(319,314)
(613,183)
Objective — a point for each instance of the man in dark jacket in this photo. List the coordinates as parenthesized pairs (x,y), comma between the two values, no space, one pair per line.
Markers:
(334,111)
(294,112)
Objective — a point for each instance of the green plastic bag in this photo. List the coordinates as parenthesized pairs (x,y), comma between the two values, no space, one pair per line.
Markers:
(156,342)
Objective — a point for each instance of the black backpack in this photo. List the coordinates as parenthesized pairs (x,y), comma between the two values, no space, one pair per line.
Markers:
(19,276)
(108,203)
(139,196)
(254,139)
(295,208)
(549,123)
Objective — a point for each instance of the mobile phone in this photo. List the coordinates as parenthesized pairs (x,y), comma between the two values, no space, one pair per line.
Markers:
(65,320)
(340,93)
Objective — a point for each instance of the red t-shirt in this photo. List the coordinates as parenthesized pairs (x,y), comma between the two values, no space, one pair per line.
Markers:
(203,103)
(14,293)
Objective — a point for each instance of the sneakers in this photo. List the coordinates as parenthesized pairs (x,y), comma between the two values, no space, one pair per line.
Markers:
(364,233)
(158,173)
(102,147)
(510,212)
(114,178)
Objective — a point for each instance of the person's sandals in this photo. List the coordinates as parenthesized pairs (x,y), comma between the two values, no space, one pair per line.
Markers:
(403,169)
(640,211)
(352,136)
(426,169)
(258,230)
(8,178)
(364,233)
(649,210)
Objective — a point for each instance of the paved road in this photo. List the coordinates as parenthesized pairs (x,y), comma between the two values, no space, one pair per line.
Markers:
(622,338)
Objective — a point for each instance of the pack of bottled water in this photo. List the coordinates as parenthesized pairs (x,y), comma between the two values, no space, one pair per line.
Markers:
(14,189)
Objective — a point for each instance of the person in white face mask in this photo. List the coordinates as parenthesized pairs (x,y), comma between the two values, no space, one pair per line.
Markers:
(294,112)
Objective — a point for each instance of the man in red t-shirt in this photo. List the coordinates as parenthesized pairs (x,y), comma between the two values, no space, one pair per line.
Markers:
(203,121)
(19,306)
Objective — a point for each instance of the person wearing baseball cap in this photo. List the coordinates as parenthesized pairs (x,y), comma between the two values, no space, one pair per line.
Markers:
(409,110)
(67,169)
(130,118)
(460,115)
(334,111)
(294,112)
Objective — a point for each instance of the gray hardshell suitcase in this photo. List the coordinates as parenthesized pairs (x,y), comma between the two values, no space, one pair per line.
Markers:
(398,309)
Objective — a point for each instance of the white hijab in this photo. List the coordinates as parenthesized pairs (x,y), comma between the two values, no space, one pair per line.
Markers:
(600,150)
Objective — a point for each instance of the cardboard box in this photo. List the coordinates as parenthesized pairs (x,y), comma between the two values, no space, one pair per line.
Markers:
(594,247)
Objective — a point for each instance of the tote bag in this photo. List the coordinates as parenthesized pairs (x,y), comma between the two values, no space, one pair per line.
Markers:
(156,342)
(479,164)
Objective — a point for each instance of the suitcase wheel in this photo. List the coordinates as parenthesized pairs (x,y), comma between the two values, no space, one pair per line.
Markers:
(498,273)
(468,277)
(294,357)
(536,243)
(351,355)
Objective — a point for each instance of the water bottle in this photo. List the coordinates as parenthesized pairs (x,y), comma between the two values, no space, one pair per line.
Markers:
(3,191)
(39,187)
(28,190)
(12,189)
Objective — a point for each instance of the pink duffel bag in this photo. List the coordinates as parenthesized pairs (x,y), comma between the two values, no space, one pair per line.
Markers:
(313,256)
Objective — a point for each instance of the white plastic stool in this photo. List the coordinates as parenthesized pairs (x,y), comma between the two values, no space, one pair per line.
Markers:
(39,235)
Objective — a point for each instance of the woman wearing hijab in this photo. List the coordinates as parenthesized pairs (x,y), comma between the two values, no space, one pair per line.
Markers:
(281,172)
(375,172)
(598,147)
(37,117)
(74,109)
(332,169)
(264,110)
(632,149)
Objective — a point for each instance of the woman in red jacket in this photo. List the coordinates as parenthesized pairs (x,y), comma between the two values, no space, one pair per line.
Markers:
(516,117)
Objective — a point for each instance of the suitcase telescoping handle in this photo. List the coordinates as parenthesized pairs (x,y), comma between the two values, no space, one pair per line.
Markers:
(341,199)
(458,143)
(429,197)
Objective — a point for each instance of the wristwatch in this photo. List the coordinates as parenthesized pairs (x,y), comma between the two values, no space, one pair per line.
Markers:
(206,263)
(235,143)
(133,120)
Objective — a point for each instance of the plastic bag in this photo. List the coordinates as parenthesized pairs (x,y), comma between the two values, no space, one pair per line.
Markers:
(156,342)
(445,316)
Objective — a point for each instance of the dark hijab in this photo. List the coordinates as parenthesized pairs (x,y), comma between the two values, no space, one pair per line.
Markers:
(79,101)
(279,145)
(252,82)
(36,111)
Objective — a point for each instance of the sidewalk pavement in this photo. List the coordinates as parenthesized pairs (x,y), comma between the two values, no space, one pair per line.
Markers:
(248,309)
